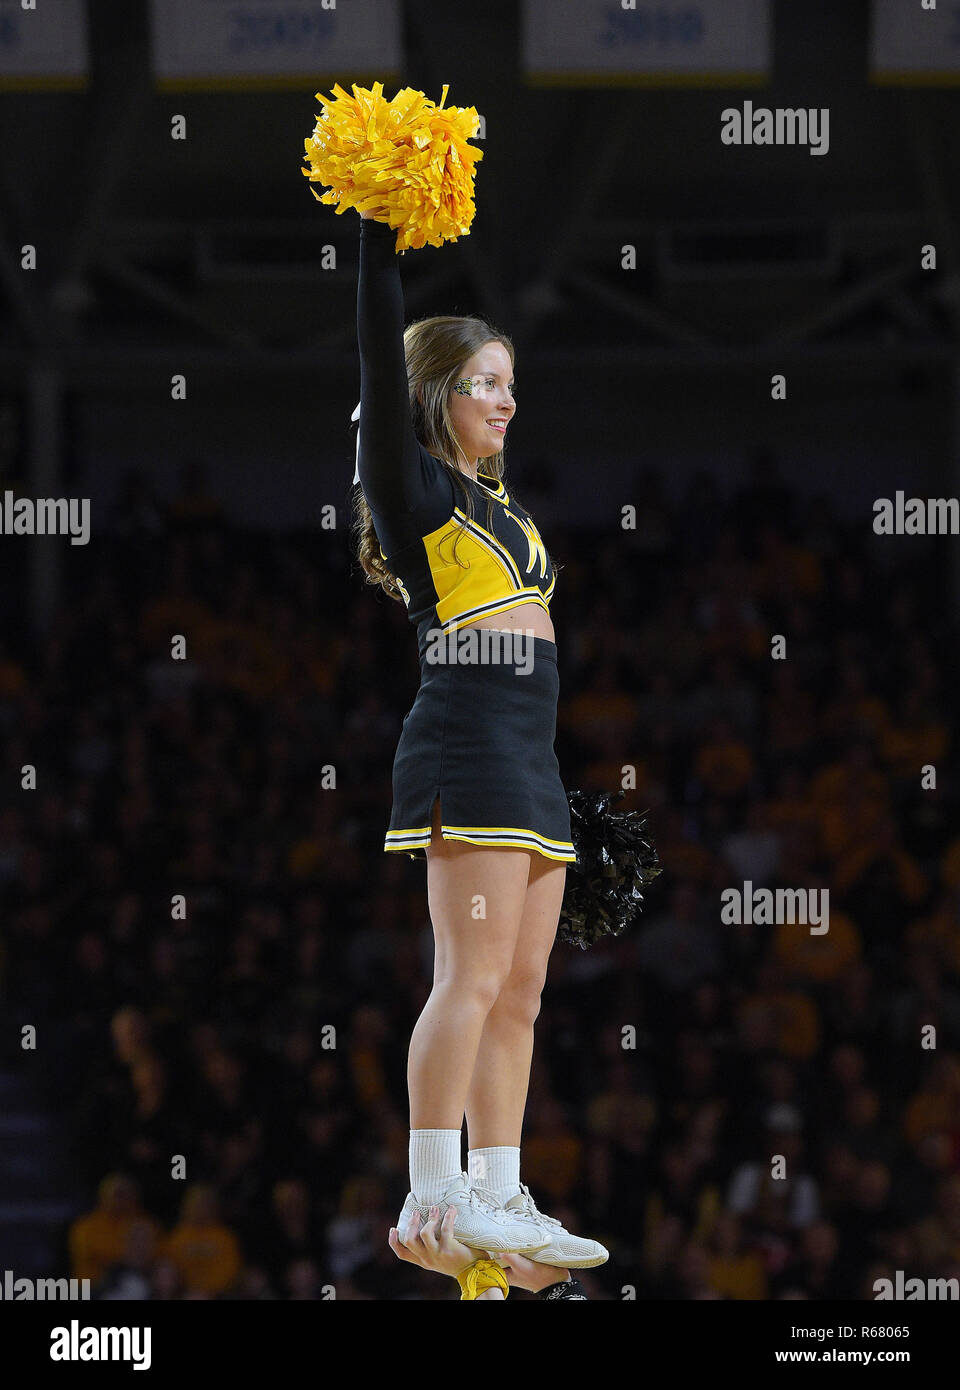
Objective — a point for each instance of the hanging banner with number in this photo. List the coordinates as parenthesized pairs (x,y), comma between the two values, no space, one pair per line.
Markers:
(273,43)
(915,47)
(601,43)
(45,48)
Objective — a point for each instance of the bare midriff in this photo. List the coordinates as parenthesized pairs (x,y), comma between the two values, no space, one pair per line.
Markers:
(523,617)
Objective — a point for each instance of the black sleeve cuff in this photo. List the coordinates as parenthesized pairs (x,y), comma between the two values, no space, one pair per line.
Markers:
(377,231)
(567,1289)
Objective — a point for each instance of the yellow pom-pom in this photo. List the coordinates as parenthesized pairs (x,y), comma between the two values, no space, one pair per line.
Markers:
(406,161)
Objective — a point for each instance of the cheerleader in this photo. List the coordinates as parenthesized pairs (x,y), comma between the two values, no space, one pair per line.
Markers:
(476,782)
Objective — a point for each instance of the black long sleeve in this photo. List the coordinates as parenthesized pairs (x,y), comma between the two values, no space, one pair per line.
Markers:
(396,473)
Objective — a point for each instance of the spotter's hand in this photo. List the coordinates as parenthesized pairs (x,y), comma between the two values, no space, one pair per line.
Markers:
(527,1274)
(434,1246)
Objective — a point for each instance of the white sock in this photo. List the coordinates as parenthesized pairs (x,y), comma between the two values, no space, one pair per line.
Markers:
(496,1171)
(435,1162)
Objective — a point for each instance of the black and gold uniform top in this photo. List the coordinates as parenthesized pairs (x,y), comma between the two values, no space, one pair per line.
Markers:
(415,504)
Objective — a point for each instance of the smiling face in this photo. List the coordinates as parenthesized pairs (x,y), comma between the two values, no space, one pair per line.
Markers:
(481,402)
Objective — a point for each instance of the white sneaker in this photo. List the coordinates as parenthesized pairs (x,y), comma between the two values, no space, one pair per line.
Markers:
(564,1250)
(479,1223)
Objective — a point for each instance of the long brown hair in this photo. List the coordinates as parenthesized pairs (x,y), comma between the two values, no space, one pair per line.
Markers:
(435,351)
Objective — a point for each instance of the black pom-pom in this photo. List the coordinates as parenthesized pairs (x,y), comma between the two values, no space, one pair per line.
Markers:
(615,861)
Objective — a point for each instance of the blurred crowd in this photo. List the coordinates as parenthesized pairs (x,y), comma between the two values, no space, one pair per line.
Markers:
(225,968)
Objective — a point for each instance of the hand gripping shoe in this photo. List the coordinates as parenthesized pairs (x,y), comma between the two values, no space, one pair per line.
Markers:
(479,1223)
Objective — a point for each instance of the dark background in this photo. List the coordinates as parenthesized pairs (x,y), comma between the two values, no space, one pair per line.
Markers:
(649,387)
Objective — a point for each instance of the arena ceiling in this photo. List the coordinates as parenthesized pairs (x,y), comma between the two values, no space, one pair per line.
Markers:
(150,248)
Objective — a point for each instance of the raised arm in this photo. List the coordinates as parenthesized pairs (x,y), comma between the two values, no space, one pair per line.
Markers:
(394,468)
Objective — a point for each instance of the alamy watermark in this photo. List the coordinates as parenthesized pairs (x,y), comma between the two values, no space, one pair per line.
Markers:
(46,516)
(25,1289)
(783,125)
(76,1343)
(742,907)
(916,516)
(482,646)
(912,1289)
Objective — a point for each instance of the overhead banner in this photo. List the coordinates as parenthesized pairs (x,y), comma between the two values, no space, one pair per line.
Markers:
(214,44)
(43,49)
(599,43)
(914,47)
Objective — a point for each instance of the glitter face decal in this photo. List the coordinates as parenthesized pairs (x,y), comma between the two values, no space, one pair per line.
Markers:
(480,387)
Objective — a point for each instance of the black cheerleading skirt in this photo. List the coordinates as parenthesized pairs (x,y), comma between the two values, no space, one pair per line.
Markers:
(480,736)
